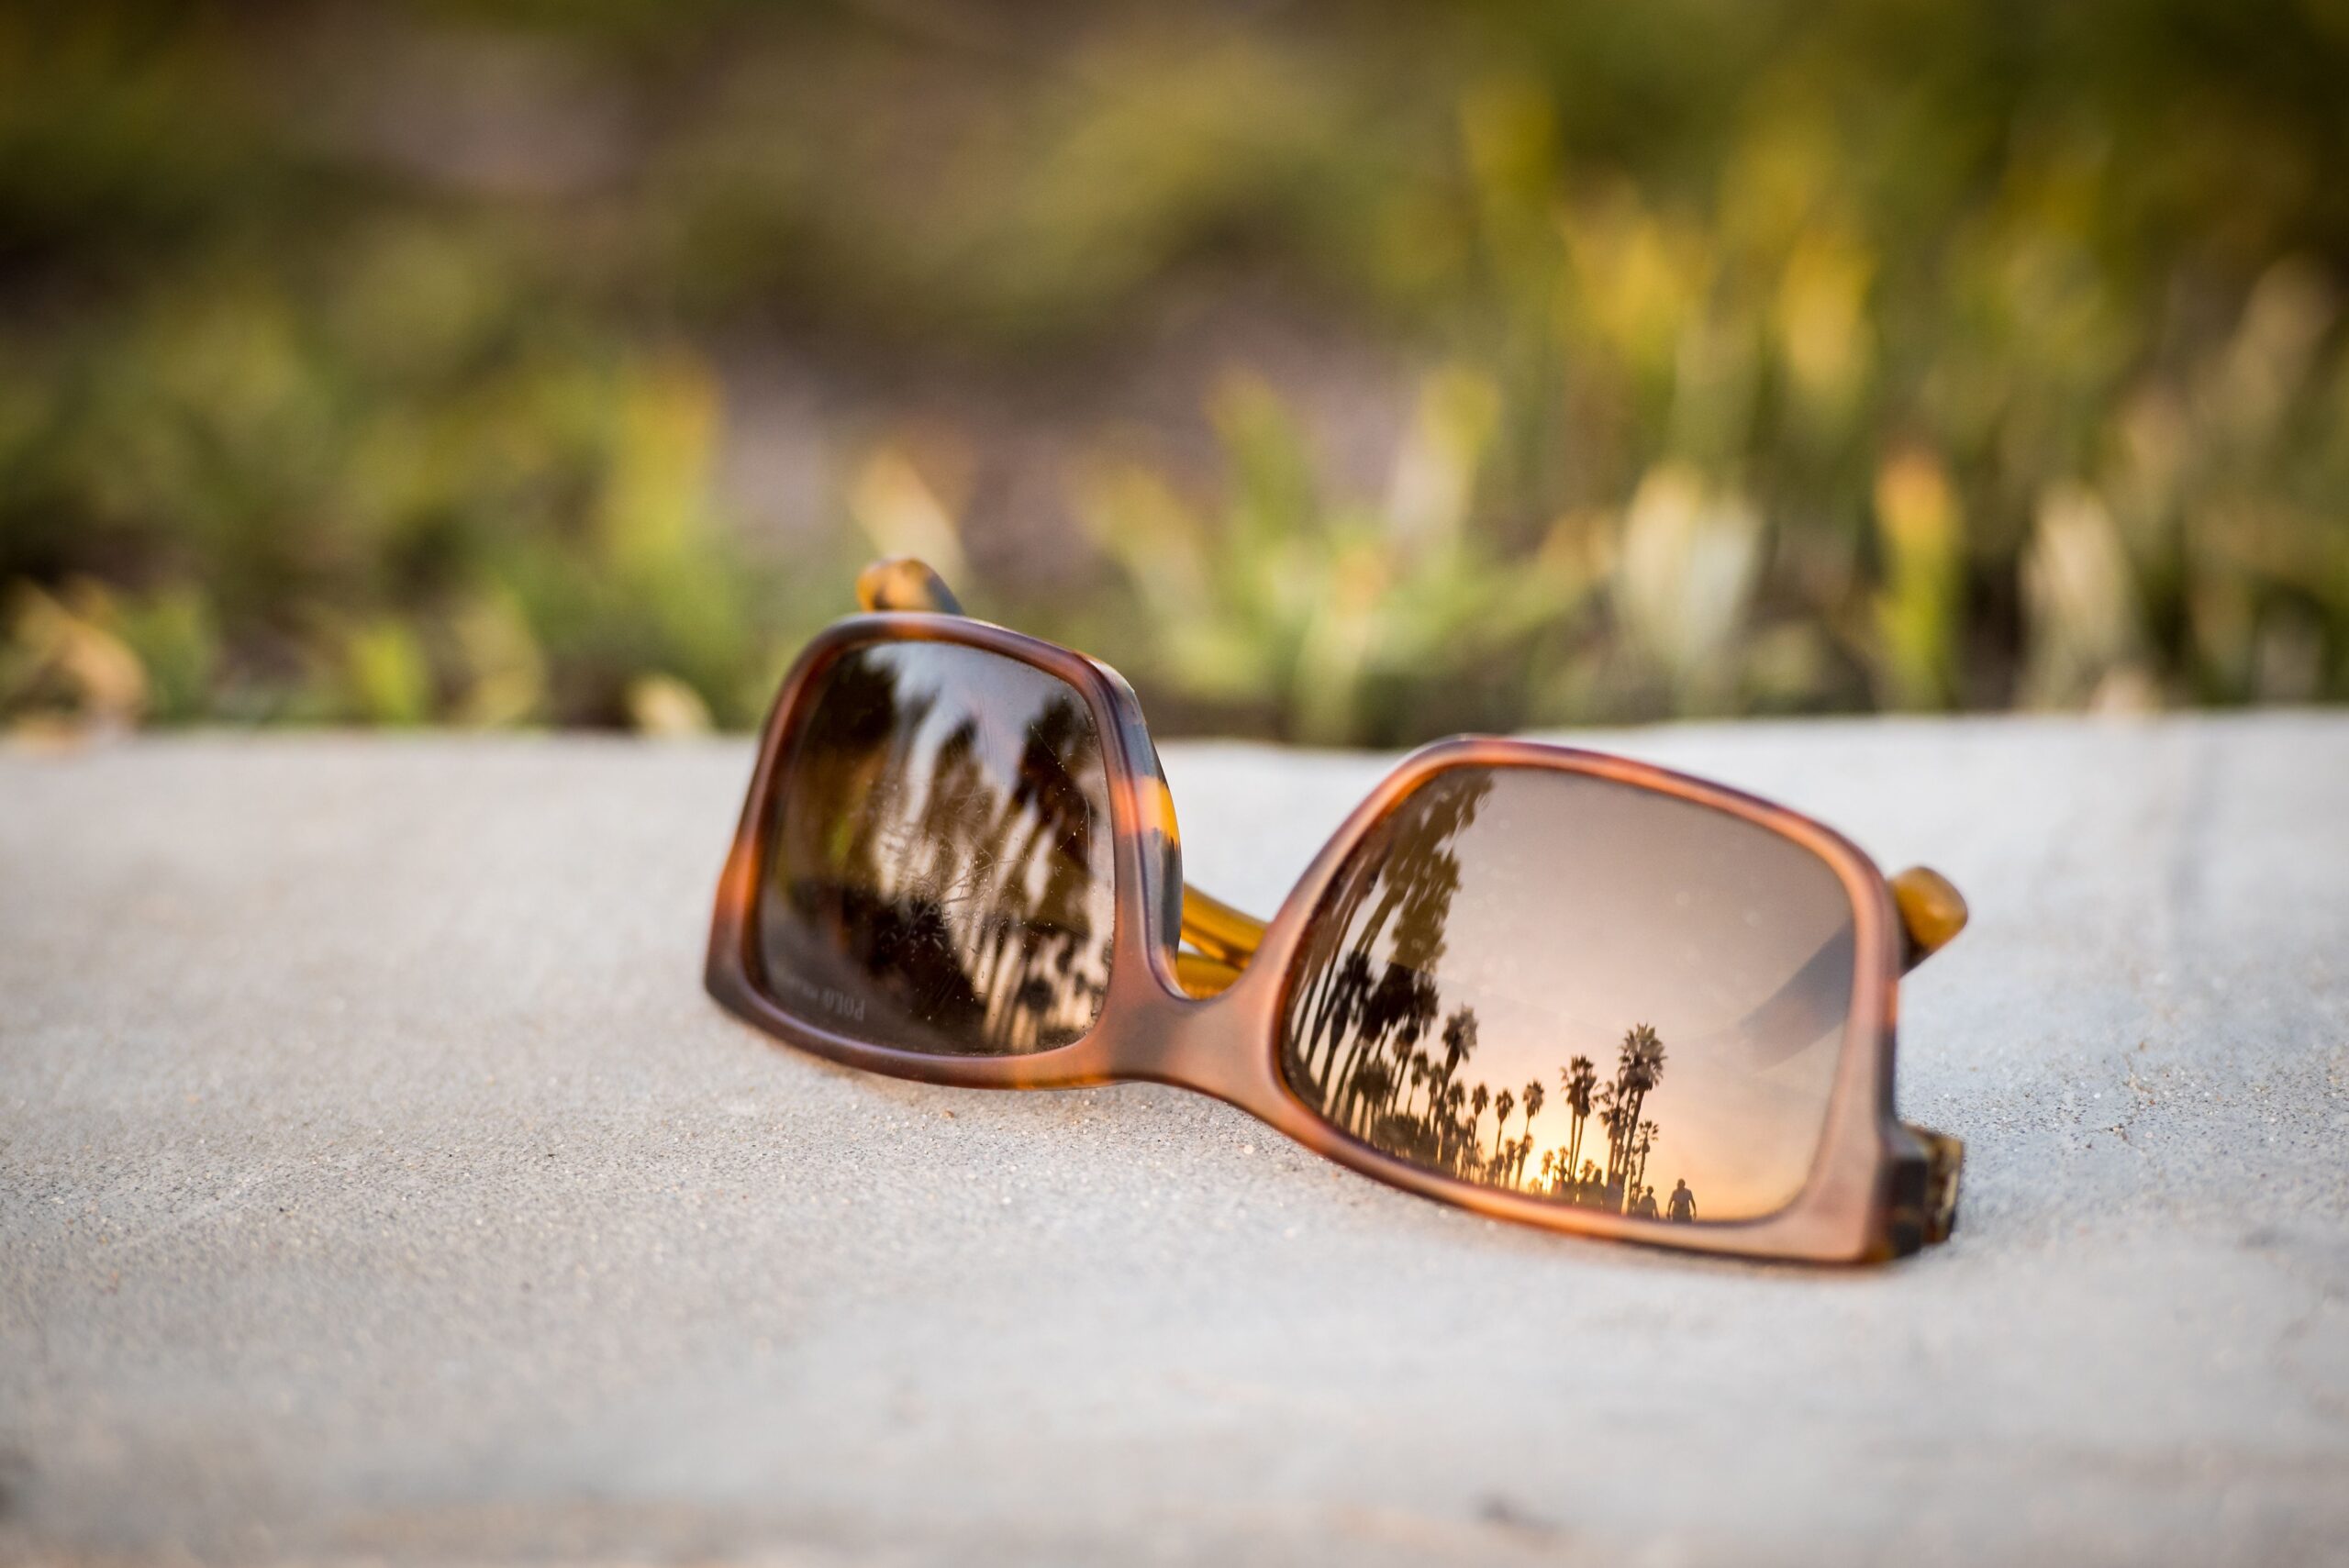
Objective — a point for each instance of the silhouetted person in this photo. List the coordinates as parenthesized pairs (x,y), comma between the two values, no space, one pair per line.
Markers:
(1643,1208)
(1681,1208)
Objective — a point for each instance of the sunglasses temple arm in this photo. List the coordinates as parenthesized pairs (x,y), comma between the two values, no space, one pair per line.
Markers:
(1218,940)
(1925,1180)
(902,583)
(1932,913)
(1219,930)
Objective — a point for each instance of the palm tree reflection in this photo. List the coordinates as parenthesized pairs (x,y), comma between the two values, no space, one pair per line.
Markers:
(931,891)
(1353,1047)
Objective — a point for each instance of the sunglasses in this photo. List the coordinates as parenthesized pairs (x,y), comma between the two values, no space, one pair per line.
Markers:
(1542,984)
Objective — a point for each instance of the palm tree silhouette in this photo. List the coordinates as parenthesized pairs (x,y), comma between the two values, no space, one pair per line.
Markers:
(1459,1040)
(1578,1078)
(1638,1067)
(1335,1017)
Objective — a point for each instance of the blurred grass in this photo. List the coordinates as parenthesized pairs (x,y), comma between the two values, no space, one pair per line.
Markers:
(388,365)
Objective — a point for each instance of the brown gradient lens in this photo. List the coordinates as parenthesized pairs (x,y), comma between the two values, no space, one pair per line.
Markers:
(937,876)
(1579,989)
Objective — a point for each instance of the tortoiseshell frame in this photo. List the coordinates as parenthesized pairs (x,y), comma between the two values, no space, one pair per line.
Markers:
(1876,1189)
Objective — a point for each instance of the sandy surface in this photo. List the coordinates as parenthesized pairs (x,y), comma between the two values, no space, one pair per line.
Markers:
(377,1182)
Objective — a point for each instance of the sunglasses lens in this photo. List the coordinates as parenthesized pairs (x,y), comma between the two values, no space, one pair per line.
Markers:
(938,870)
(1580,990)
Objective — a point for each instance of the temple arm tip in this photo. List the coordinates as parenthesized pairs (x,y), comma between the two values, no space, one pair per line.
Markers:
(1925,1201)
(902,583)
(1932,913)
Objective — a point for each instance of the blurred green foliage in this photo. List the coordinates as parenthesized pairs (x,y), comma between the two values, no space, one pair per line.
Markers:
(380,364)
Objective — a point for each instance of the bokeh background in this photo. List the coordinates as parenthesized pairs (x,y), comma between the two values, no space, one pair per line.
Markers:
(1340,372)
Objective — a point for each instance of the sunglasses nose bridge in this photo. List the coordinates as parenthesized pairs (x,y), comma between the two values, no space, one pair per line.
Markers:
(1217,1045)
